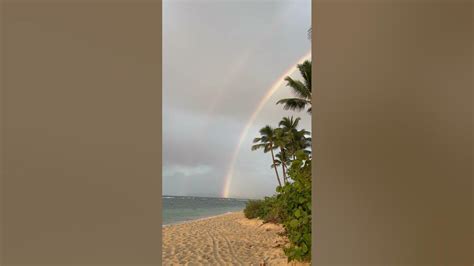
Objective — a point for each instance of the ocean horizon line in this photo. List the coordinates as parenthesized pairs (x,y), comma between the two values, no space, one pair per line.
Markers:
(210,197)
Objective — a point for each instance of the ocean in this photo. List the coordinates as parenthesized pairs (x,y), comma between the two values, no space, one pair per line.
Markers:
(177,209)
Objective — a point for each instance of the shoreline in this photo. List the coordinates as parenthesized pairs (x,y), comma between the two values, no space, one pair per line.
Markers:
(224,239)
(199,219)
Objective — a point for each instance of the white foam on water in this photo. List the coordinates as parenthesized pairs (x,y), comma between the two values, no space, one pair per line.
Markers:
(199,219)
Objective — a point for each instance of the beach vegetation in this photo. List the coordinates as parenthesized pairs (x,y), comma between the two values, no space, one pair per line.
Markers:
(253,209)
(272,210)
(296,197)
(291,207)
(266,141)
(290,148)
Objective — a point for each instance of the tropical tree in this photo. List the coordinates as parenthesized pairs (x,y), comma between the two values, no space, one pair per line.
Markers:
(266,141)
(291,206)
(290,125)
(282,139)
(298,139)
(303,142)
(301,89)
(277,161)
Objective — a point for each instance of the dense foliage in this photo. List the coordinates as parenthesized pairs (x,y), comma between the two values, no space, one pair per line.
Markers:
(253,209)
(290,150)
(297,200)
(291,206)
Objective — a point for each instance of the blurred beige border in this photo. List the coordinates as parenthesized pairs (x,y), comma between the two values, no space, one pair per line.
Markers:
(80,115)
(392,124)
(81,132)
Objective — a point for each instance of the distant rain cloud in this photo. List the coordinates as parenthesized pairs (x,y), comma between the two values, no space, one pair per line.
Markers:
(219,59)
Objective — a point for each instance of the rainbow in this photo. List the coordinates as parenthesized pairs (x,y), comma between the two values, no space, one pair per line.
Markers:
(274,87)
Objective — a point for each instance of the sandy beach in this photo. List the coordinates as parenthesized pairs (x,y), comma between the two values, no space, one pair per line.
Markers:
(229,239)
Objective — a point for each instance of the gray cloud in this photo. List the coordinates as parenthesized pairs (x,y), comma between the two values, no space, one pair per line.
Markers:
(219,59)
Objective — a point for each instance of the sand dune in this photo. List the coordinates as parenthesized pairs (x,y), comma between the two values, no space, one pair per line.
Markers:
(229,239)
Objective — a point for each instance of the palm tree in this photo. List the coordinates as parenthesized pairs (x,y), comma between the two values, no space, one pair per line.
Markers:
(302,142)
(289,126)
(266,141)
(277,162)
(301,89)
(297,138)
(289,123)
(282,139)
(281,160)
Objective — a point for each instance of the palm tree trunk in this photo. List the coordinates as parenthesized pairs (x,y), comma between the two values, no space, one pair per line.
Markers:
(283,164)
(276,171)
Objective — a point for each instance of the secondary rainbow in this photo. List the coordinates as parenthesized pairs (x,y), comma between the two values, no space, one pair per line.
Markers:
(275,86)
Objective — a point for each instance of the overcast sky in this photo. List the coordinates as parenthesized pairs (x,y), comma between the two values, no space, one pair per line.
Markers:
(219,60)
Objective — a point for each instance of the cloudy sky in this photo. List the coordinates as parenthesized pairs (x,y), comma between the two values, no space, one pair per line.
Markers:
(220,57)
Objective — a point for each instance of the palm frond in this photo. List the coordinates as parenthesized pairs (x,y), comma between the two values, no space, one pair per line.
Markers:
(289,123)
(305,71)
(275,164)
(266,131)
(298,87)
(294,104)
(257,146)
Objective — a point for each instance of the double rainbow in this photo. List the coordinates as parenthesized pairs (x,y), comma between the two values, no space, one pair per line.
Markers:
(273,88)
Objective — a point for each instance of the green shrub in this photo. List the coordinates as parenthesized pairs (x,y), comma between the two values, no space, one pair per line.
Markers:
(291,206)
(297,211)
(253,209)
(270,210)
(267,205)
(273,211)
